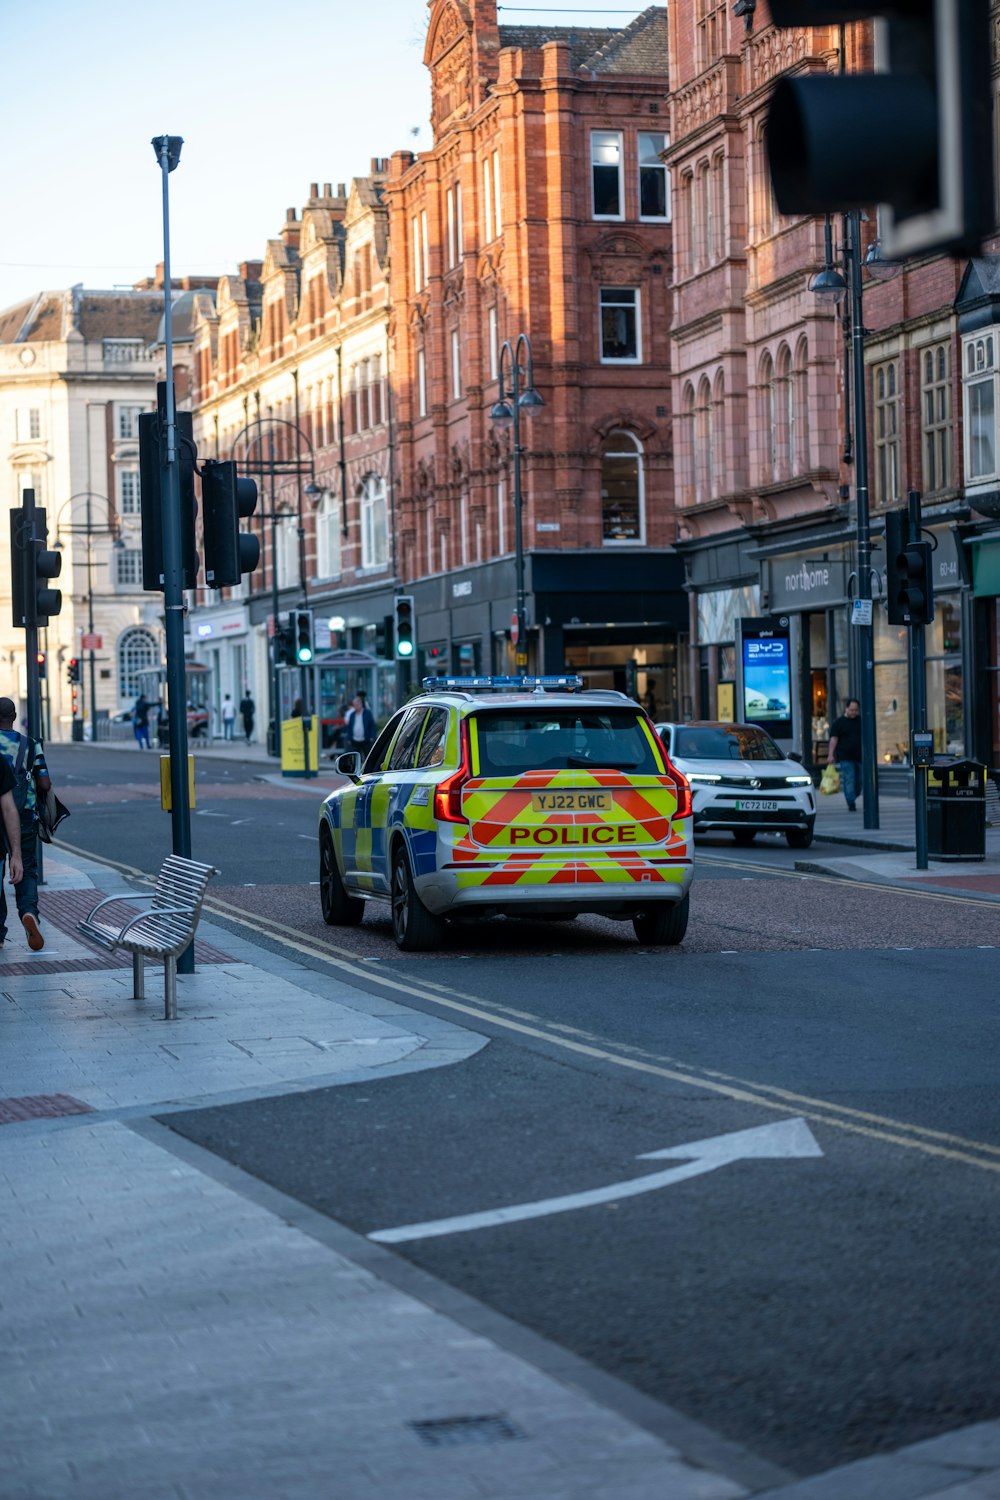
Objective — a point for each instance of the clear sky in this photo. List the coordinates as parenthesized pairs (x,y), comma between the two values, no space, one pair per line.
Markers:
(268,97)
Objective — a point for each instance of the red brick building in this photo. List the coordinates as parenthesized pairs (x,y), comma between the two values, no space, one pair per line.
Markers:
(542,207)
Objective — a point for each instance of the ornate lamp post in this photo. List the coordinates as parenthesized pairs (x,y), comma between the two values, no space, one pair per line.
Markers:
(513,397)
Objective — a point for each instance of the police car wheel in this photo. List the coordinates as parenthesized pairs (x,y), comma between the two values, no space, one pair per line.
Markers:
(664,924)
(339,909)
(415,929)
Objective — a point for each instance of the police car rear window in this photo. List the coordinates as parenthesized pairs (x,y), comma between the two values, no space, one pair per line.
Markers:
(564,739)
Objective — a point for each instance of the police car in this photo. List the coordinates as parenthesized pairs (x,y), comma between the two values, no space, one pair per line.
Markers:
(521,796)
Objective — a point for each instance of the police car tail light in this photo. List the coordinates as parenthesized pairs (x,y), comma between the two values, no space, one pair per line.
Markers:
(685,806)
(448,796)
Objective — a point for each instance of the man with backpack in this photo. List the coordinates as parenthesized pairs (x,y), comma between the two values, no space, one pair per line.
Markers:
(25,760)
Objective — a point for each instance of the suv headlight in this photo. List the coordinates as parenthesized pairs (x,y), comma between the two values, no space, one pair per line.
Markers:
(799,780)
(701,778)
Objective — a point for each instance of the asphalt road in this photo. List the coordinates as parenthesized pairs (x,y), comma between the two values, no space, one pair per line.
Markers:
(814,1308)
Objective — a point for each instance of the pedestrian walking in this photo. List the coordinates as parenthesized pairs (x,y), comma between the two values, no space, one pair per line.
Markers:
(845,751)
(24,760)
(359,728)
(228,717)
(247,712)
(140,722)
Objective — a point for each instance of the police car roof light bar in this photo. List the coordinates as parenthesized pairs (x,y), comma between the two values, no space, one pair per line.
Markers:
(501,684)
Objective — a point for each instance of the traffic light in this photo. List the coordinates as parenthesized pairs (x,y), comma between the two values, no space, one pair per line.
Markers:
(225,500)
(73,671)
(33,565)
(914,137)
(404,622)
(909,581)
(303,627)
(284,641)
(151,440)
(41,666)
(383,636)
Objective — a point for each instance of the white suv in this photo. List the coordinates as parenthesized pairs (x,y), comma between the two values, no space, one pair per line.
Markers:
(741,783)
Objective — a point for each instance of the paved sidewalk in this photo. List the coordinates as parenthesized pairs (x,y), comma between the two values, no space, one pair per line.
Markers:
(172,1327)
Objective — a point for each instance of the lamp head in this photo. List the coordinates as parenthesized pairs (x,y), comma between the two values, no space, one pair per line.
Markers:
(502,414)
(530,400)
(173,145)
(828,285)
(877,267)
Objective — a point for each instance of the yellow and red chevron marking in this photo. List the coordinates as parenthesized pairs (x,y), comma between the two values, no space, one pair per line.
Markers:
(503,815)
(613,870)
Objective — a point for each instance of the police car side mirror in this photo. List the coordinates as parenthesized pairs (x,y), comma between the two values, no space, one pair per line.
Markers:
(348,764)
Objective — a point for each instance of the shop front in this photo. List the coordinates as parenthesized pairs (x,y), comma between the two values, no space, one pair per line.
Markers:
(985,689)
(815,586)
(618,620)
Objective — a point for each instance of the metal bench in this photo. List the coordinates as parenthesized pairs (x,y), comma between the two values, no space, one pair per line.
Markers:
(162,932)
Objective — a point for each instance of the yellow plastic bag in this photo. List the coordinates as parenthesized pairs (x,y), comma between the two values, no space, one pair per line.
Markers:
(830,781)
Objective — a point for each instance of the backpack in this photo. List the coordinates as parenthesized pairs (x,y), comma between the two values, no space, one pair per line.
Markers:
(22,766)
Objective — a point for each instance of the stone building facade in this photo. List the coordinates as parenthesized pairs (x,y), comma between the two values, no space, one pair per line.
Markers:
(76,369)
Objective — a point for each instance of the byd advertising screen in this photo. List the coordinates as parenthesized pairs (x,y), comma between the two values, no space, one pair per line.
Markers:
(767,680)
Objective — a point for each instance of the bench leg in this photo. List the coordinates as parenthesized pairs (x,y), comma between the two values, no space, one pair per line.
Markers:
(170,989)
(138,983)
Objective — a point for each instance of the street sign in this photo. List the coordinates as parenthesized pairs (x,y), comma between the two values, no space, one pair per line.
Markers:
(91,642)
(514,631)
(784,1138)
(861,612)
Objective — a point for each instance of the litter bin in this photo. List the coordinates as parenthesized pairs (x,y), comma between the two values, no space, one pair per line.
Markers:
(956,810)
(77,731)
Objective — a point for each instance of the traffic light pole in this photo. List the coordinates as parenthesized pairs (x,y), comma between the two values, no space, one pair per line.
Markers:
(168,151)
(865,632)
(918,702)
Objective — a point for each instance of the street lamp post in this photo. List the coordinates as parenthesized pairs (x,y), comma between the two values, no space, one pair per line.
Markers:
(830,285)
(241,451)
(506,412)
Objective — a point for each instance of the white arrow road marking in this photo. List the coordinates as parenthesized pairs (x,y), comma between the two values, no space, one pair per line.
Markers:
(785,1138)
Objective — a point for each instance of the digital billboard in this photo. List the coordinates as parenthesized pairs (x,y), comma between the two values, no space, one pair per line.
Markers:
(766,675)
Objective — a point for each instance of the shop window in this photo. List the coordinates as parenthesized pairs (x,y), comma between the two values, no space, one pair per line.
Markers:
(885,386)
(622,497)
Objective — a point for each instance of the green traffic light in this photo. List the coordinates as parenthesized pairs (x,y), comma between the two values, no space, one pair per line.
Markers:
(404,648)
(304,655)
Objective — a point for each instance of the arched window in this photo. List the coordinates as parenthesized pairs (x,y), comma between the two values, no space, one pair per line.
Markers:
(622,490)
(718,430)
(768,421)
(800,383)
(785,413)
(374,523)
(328,563)
(703,465)
(687,445)
(138,650)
